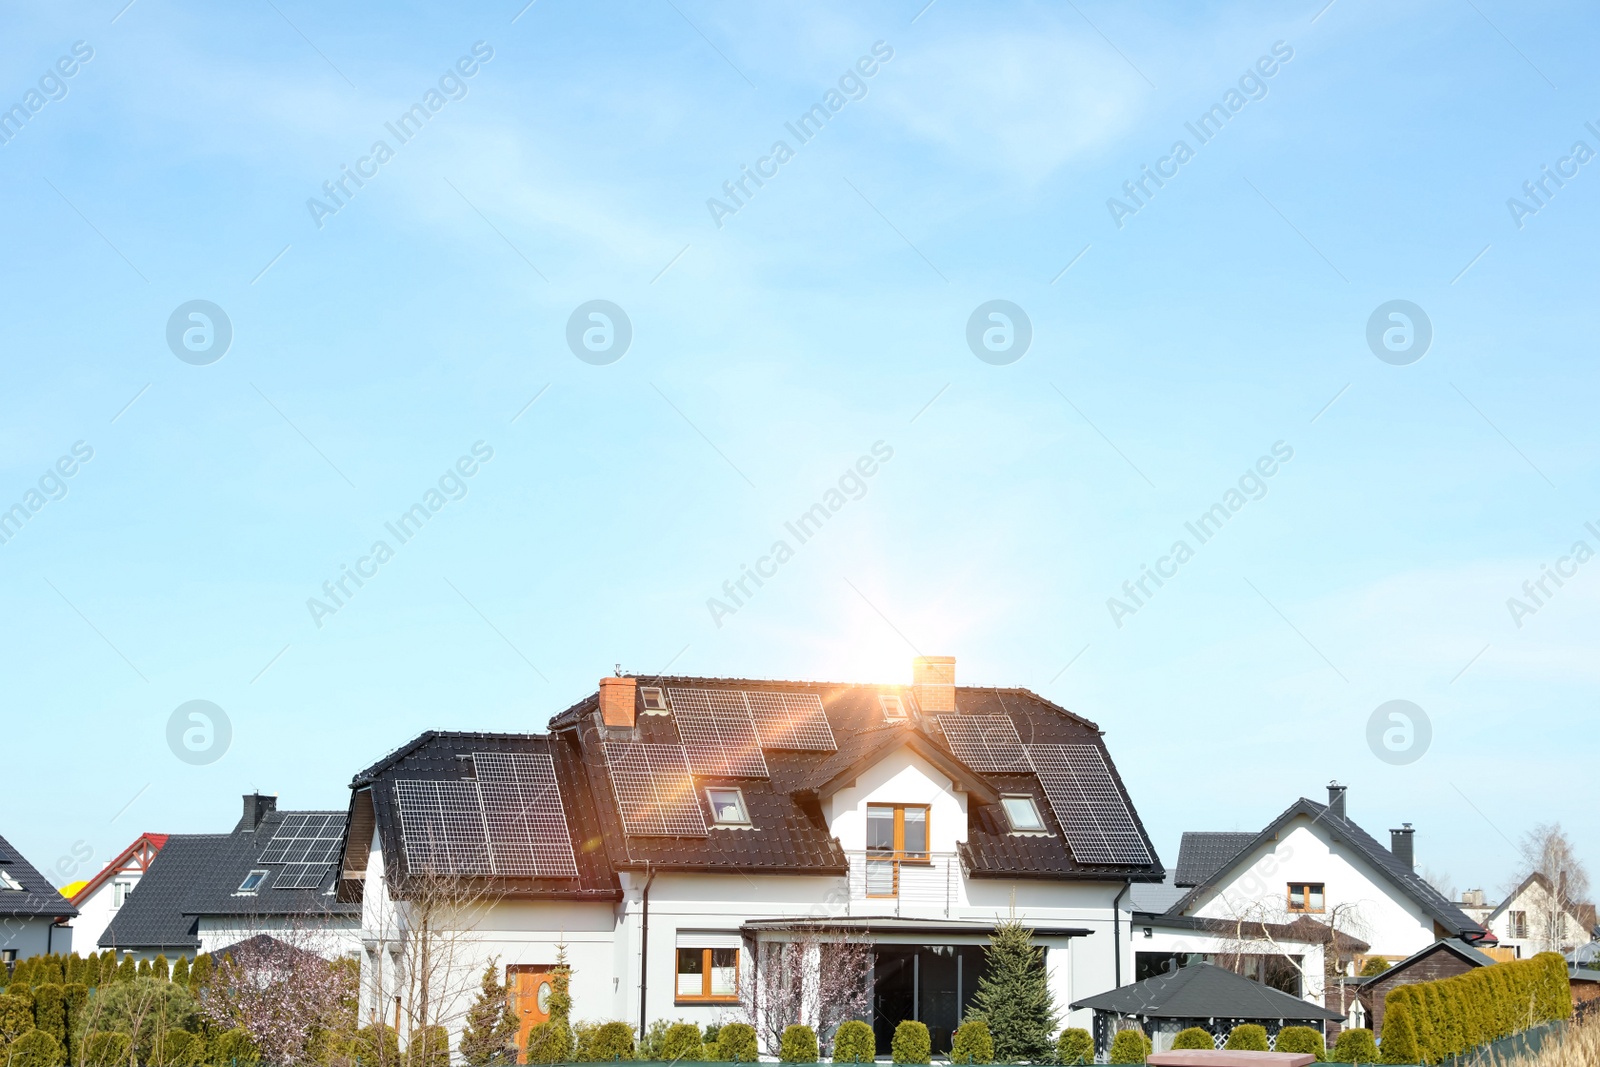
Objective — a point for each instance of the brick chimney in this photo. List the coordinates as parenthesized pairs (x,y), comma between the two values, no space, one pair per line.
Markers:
(256,808)
(1336,799)
(617,701)
(933,680)
(1400,843)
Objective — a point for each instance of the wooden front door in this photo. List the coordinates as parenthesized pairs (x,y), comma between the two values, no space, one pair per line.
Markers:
(529,986)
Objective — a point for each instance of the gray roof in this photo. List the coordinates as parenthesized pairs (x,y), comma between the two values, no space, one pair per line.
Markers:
(1205,991)
(1343,830)
(1202,854)
(1449,944)
(198,875)
(1154,898)
(38,896)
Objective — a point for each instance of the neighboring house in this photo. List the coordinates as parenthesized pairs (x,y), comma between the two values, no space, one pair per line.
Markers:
(1534,918)
(100,898)
(1442,959)
(677,835)
(32,911)
(1312,868)
(275,873)
(1201,995)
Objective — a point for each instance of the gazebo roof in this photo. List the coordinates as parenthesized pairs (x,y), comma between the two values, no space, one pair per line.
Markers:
(1205,991)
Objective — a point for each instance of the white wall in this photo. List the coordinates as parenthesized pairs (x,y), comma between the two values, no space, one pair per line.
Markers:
(96,911)
(902,777)
(1535,901)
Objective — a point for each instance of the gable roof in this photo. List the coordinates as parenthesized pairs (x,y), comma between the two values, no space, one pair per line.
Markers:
(790,833)
(1453,945)
(1202,854)
(1205,991)
(37,897)
(145,844)
(1581,913)
(1397,873)
(198,875)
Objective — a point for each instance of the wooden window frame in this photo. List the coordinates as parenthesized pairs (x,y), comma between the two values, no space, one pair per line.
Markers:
(898,857)
(1305,892)
(705,996)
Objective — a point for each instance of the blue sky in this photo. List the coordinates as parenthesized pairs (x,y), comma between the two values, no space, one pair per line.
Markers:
(827,314)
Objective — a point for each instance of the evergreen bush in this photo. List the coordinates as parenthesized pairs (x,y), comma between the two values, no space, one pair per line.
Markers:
(159,969)
(798,1044)
(603,1042)
(75,997)
(428,1046)
(108,1049)
(679,1041)
(126,971)
(490,1032)
(1129,1046)
(1193,1038)
(180,1048)
(200,973)
(1450,1016)
(972,1043)
(180,971)
(854,1042)
(550,1042)
(36,1048)
(376,1045)
(50,1010)
(911,1043)
(736,1043)
(1356,1045)
(1247,1037)
(16,1016)
(1074,1046)
(1300,1039)
(1399,1033)
(1014,995)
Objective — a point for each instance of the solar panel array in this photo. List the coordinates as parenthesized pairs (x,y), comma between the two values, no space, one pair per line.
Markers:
(655,793)
(987,743)
(304,849)
(509,822)
(791,721)
(1094,817)
(718,733)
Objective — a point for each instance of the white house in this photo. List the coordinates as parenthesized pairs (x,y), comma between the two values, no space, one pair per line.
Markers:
(1311,883)
(684,838)
(33,914)
(274,873)
(1538,917)
(100,898)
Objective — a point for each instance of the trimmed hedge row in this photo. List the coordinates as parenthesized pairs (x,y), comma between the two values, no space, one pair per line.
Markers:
(1428,1021)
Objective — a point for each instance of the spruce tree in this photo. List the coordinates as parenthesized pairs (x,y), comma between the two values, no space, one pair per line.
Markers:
(1014,996)
(491,1030)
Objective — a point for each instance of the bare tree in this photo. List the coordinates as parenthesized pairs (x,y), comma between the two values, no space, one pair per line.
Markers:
(284,994)
(1256,934)
(1552,922)
(816,978)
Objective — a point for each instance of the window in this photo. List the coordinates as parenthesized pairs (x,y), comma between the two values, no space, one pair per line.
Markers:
(252,881)
(1023,814)
(1519,923)
(119,893)
(708,974)
(894,709)
(1305,896)
(654,699)
(896,834)
(8,882)
(727,806)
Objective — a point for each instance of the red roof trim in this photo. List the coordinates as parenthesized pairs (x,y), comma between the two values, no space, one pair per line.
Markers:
(145,847)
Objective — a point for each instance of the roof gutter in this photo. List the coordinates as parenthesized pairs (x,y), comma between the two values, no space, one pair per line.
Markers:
(1116,933)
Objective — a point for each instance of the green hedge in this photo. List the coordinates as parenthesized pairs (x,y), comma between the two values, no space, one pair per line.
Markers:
(736,1043)
(798,1044)
(911,1043)
(1300,1039)
(855,1043)
(1247,1037)
(1453,1015)
(972,1043)
(1356,1045)
(1193,1038)
(1129,1046)
(604,1043)
(1074,1046)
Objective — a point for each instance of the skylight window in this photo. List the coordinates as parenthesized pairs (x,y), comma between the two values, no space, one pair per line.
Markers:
(727,806)
(654,699)
(252,881)
(894,709)
(1023,813)
(8,882)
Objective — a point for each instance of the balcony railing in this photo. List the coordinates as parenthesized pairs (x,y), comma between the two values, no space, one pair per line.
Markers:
(884,883)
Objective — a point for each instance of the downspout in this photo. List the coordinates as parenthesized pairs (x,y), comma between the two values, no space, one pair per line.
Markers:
(644,948)
(1116,931)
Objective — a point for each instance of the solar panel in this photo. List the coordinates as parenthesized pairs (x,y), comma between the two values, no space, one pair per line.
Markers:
(522,808)
(442,828)
(306,837)
(792,721)
(987,743)
(300,876)
(718,733)
(1095,819)
(654,791)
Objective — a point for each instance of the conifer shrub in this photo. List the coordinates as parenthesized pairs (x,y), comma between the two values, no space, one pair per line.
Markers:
(735,1043)
(428,1046)
(1374,966)
(1129,1046)
(36,1048)
(1356,1045)
(1074,1046)
(1247,1037)
(972,1043)
(1300,1039)
(1399,1032)
(126,971)
(550,1042)
(1014,995)
(679,1041)
(50,1010)
(180,971)
(180,1048)
(911,1043)
(160,969)
(16,1016)
(1193,1038)
(798,1044)
(376,1045)
(854,1043)
(75,998)
(104,1048)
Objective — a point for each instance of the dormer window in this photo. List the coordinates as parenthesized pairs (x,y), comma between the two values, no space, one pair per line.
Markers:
(1023,814)
(252,882)
(894,709)
(653,697)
